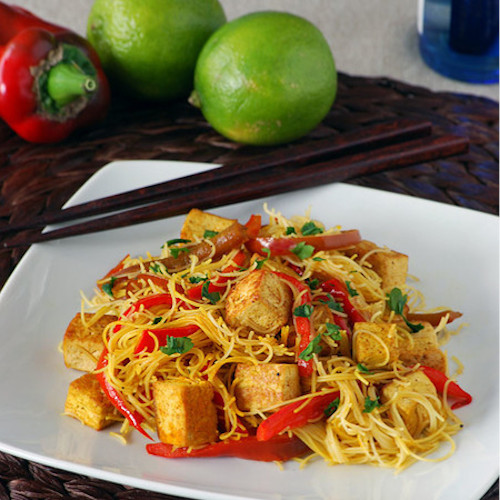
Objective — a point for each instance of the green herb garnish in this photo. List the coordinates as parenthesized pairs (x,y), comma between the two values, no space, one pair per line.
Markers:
(209,233)
(396,302)
(177,345)
(108,287)
(213,297)
(333,331)
(302,250)
(312,348)
(332,303)
(352,291)
(310,228)
(303,311)
(332,407)
(371,404)
(363,369)
(260,263)
(290,230)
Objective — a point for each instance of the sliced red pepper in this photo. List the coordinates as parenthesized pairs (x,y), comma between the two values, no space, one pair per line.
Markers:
(303,326)
(147,342)
(280,448)
(195,293)
(453,390)
(116,398)
(290,417)
(339,292)
(253,225)
(284,246)
(433,318)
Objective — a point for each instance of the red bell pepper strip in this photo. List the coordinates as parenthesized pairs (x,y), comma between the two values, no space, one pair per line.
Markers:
(280,448)
(51,79)
(338,291)
(253,225)
(295,415)
(284,246)
(218,285)
(433,318)
(147,342)
(116,398)
(303,325)
(453,390)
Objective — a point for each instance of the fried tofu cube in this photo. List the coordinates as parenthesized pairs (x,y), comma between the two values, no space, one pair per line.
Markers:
(87,402)
(260,386)
(391,266)
(401,396)
(375,345)
(82,345)
(197,222)
(185,412)
(260,302)
(422,347)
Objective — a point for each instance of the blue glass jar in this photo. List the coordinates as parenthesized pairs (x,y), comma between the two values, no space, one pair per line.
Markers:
(459,38)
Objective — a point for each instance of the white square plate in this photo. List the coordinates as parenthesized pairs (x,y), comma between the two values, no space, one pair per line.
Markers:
(453,251)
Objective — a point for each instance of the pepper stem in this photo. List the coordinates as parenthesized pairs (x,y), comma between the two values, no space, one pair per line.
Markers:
(67,82)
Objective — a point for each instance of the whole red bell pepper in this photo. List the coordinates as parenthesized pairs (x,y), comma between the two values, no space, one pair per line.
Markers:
(295,415)
(51,79)
(280,448)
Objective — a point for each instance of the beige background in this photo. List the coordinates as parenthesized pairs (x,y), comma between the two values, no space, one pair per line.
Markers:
(367,37)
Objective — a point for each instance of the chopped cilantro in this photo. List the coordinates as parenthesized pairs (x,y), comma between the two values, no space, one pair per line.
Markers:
(371,404)
(310,228)
(352,291)
(197,279)
(209,233)
(363,369)
(333,331)
(332,303)
(290,230)
(157,320)
(175,251)
(312,348)
(302,250)
(332,407)
(261,262)
(303,311)
(318,259)
(313,283)
(155,268)
(178,345)
(108,287)
(396,302)
(213,297)
(175,241)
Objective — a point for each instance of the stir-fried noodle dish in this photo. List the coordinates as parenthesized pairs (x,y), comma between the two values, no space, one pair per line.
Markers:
(269,339)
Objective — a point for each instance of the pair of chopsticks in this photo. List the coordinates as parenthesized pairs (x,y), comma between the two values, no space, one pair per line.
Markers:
(373,149)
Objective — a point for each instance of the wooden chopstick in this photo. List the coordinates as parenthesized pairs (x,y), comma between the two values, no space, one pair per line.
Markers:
(368,138)
(272,181)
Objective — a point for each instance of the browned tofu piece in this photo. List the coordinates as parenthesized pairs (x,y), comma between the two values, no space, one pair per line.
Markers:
(185,412)
(375,345)
(197,222)
(82,346)
(390,265)
(401,396)
(87,402)
(422,347)
(259,302)
(261,386)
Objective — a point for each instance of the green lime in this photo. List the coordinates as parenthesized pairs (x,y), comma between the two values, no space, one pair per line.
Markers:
(265,78)
(149,48)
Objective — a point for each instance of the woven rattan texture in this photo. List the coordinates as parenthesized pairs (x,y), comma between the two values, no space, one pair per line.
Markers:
(35,178)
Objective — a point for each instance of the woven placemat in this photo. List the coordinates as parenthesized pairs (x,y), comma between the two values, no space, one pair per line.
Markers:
(35,178)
